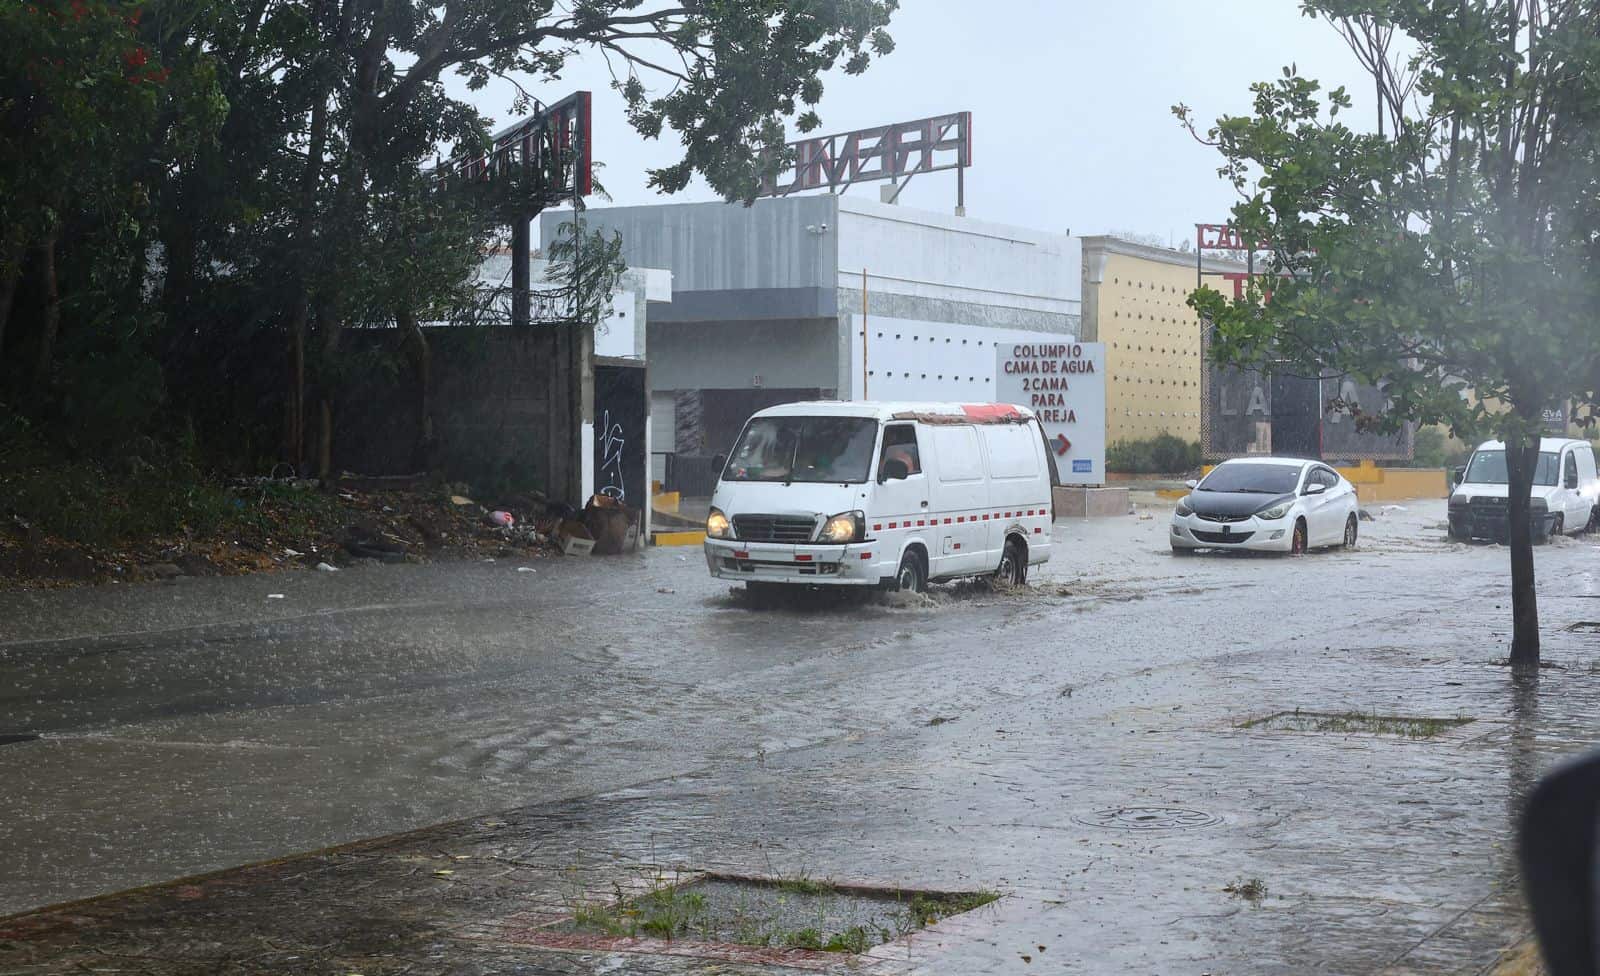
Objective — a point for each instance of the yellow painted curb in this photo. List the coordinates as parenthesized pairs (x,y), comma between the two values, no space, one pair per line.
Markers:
(666,501)
(1171,492)
(678,538)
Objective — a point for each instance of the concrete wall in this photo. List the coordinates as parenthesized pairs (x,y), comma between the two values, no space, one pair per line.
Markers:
(508,406)
(729,261)
(1134,299)
(743,354)
(910,359)
(957,260)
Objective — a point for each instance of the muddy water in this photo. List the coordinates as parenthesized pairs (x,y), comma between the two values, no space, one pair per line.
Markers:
(196,725)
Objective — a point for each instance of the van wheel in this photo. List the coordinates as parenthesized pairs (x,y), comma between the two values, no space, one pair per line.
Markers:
(911,575)
(1350,531)
(1013,569)
(1594,520)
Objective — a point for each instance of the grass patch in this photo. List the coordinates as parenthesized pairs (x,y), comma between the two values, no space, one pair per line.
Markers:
(1250,889)
(1405,726)
(790,913)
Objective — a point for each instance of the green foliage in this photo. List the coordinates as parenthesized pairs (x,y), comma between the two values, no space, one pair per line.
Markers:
(1448,256)
(1162,454)
(226,188)
(1435,449)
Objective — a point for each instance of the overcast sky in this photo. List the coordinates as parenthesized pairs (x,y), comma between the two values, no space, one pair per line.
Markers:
(1070,103)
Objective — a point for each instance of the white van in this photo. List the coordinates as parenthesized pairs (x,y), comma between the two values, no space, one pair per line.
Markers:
(883,494)
(1566,491)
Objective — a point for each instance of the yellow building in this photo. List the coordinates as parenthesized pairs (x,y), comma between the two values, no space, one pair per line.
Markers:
(1134,301)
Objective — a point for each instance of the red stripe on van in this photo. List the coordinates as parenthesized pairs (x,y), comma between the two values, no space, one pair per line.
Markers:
(802,559)
(893,524)
(878,527)
(946,521)
(1037,531)
(921,523)
(986,517)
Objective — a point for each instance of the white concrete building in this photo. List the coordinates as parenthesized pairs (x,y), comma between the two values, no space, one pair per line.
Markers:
(781,300)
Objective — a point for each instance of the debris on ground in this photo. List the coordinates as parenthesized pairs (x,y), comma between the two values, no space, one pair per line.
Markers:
(1366,516)
(274,524)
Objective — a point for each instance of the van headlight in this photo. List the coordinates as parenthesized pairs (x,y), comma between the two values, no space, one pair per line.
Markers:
(845,527)
(1277,511)
(718,526)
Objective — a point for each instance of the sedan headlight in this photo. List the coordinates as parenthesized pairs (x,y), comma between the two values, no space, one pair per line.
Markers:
(718,526)
(845,527)
(1183,508)
(1277,511)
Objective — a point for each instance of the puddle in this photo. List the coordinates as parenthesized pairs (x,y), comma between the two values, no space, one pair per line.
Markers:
(1405,726)
(1149,818)
(803,914)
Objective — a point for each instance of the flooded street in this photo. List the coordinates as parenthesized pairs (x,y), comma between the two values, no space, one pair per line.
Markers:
(631,711)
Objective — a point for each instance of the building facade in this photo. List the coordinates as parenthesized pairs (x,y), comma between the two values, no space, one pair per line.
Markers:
(1135,301)
(827,296)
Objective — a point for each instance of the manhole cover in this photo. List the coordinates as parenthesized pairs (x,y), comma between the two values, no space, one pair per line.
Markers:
(1149,818)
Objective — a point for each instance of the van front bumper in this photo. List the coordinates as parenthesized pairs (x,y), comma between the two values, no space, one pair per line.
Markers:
(1486,518)
(855,564)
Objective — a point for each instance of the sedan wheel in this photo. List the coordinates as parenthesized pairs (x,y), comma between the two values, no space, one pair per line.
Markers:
(1297,544)
(1350,532)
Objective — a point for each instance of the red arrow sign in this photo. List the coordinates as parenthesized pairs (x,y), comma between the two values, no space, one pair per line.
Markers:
(1062,444)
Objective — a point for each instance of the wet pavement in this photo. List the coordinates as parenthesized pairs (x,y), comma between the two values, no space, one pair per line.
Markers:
(1075,746)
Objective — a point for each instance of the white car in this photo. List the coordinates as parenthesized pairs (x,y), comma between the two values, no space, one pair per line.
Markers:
(1267,504)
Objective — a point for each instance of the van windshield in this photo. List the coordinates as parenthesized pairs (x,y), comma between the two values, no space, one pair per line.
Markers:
(807,449)
(1489,468)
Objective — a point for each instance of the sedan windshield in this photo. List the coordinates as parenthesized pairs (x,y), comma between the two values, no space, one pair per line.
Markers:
(1489,468)
(808,449)
(1259,479)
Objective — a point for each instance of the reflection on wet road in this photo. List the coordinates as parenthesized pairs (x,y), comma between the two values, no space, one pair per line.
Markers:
(192,726)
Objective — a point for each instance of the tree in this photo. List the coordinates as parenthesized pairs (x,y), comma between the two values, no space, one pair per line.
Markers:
(358,83)
(1448,255)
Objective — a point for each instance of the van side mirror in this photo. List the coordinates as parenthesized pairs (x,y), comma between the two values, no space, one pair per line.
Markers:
(1457,473)
(893,469)
(1557,850)
(1572,481)
(1192,484)
(719,461)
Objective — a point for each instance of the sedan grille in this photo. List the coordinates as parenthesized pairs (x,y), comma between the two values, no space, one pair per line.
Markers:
(1222,518)
(1219,537)
(774,528)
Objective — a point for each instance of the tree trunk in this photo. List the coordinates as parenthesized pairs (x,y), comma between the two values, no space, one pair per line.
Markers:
(1522,457)
(294,406)
(51,325)
(10,276)
(329,328)
(294,427)
(415,344)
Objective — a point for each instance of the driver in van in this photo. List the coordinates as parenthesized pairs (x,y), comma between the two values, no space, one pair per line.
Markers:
(904,453)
